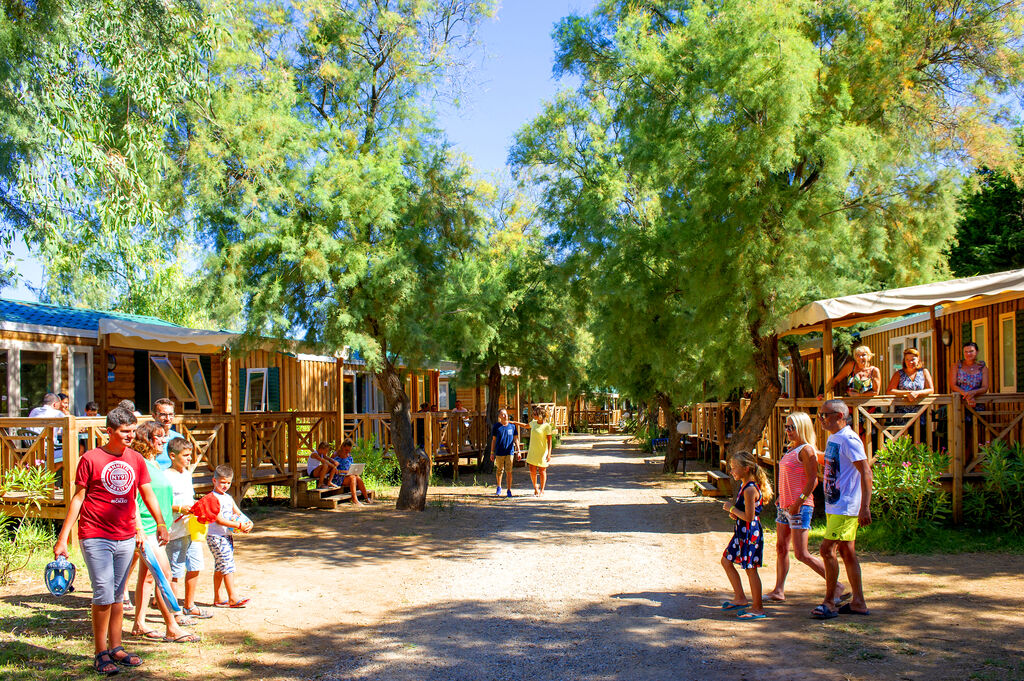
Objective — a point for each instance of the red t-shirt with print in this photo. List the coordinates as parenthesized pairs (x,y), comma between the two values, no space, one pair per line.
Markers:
(110,483)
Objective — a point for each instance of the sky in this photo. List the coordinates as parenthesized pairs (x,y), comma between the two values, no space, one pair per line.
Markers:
(512,81)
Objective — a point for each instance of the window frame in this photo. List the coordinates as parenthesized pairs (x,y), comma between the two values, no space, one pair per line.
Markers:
(249,374)
(187,372)
(163,373)
(1003,359)
(983,346)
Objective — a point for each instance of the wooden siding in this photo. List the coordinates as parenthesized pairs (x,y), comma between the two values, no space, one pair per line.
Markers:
(306,385)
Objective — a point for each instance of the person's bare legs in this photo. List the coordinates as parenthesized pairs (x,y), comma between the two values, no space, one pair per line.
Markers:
(738,597)
(831,564)
(533,478)
(102,622)
(191,583)
(757,607)
(849,556)
(782,538)
(352,482)
(509,476)
(229,586)
(542,477)
(141,600)
(803,555)
(218,580)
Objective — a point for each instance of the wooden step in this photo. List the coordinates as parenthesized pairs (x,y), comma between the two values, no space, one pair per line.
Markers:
(709,490)
(717,475)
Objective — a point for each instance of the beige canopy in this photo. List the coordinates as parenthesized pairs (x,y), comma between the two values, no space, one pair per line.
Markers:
(865,307)
(123,333)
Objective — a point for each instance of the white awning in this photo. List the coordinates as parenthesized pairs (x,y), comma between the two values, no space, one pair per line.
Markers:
(142,336)
(865,307)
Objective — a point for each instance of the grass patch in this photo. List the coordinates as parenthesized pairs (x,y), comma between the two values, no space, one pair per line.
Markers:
(999,670)
(880,538)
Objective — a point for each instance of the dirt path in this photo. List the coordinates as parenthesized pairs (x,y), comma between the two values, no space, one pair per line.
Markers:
(612,575)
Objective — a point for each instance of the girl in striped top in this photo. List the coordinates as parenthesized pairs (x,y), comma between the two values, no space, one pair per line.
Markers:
(798,476)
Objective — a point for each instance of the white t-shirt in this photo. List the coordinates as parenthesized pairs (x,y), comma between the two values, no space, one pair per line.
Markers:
(183,495)
(227,507)
(842,479)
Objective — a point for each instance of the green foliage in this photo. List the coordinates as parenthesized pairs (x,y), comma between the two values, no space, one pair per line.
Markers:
(722,163)
(21,537)
(643,432)
(998,502)
(990,231)
(380,472)
(90,90)
(907,494)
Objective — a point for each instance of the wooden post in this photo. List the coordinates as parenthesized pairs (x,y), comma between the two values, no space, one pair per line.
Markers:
(70,468)
(939,370)
(956,448)
(339,365)
(519,406)
(827,368)
(235,442)
(104,384)
(293,462)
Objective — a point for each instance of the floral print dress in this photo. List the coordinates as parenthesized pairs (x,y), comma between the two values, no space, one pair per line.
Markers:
(747,545)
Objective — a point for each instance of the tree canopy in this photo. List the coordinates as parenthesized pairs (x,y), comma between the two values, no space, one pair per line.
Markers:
(781,151)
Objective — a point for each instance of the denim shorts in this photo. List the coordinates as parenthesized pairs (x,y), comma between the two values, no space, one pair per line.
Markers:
(184,555)
(107,561)
(801,521)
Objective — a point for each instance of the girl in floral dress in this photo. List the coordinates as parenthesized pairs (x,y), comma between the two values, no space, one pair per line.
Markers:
(747,544)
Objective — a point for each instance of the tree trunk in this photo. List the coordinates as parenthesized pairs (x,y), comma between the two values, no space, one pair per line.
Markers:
(493,392)
(802,380)
(766,392)
(414,462)
(671,421)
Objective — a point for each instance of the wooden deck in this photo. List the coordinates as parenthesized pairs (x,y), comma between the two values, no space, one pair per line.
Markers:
(939,421)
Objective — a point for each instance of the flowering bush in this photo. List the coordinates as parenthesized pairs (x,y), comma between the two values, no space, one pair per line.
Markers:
(907,495)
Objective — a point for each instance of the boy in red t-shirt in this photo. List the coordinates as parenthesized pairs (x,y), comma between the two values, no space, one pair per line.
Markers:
(107,480)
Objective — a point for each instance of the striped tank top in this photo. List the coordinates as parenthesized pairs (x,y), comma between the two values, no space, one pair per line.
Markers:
(792,478)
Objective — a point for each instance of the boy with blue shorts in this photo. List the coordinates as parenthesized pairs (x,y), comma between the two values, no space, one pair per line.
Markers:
(184,555)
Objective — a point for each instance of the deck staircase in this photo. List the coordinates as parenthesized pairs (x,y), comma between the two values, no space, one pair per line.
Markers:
(718,484)
(319,497)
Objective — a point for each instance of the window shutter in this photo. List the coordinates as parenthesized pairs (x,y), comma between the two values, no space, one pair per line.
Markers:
(1019,327)
(965,334)
(274,388)
(241,390)
(141,397)
(206,362)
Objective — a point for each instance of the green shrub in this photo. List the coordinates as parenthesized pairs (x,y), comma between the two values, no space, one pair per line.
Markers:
(21,537)
(998,501)
(380,472)
(907,495)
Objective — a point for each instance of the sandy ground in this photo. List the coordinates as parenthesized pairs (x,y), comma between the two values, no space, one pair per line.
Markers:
(613,574)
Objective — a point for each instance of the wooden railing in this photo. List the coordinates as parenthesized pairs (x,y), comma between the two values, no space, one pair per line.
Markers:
(601,419)
(938,421)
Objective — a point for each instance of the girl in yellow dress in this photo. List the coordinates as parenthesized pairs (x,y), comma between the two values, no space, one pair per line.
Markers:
(539,455)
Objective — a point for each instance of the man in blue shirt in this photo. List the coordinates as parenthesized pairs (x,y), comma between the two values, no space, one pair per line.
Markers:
(504,445)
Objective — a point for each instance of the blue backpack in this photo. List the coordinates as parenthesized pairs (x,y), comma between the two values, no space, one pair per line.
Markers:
(59,576)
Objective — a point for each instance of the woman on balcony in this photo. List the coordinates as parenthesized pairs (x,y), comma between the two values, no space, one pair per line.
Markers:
(912,382)
(971,375)
(862,379)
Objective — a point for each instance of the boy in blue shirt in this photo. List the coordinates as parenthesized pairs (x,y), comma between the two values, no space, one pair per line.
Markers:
(504,445)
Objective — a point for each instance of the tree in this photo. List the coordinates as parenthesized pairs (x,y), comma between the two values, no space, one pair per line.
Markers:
(537,325)
(787,151)
(336,213)
(89,90)
(990,231)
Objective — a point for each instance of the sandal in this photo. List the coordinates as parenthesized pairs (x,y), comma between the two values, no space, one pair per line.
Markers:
(104,664)
(151,634)
(184,638)
(221,604)
(185,621)
(239,604)
(125,661)
(197,612)
(822,612)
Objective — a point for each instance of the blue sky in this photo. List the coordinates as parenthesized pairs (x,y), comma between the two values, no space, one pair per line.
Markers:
(508,88)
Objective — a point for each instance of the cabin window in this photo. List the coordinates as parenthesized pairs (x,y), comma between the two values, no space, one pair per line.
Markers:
(36,377)
(164,380)
(442,395)
(896,346)
(200,388)
(255,390)
(1008,353)
(80,372)
(979,334)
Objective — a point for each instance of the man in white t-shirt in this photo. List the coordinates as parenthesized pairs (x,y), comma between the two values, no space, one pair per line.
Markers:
(847,487)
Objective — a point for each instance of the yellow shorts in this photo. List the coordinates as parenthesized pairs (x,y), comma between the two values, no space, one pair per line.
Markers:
(841,527)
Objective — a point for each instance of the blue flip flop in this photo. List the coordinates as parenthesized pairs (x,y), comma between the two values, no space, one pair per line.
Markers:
(745,616)
(822,612)
(729,605)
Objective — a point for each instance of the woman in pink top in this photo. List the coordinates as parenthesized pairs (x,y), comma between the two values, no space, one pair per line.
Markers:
(798,476)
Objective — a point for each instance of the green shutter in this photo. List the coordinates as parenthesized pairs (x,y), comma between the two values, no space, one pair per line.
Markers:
(141,396)
(965,335)
(1019,326)
(241,390)
(274,388)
